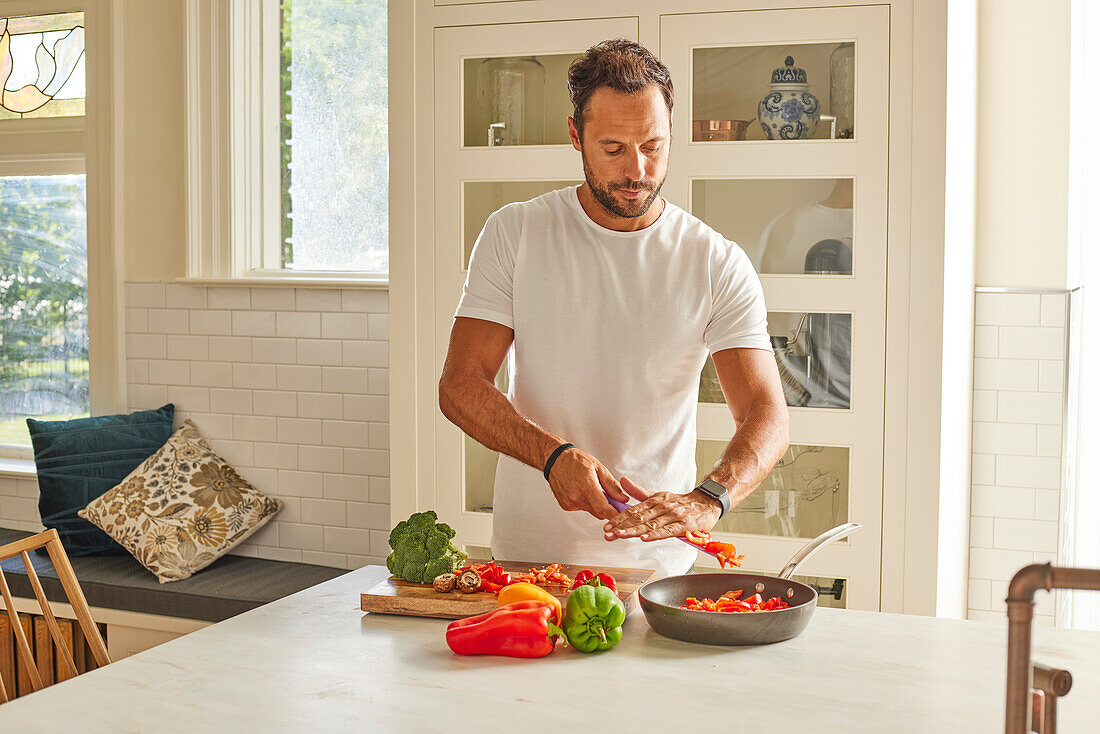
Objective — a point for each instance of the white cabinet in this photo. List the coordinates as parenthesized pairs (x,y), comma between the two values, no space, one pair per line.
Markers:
(819,217)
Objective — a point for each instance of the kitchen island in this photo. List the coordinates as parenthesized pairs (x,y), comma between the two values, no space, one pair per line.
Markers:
(312,662)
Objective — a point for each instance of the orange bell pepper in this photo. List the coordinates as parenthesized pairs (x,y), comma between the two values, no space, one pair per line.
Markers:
(523,591)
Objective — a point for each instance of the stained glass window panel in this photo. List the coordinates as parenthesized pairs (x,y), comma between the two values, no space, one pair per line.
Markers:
(42,66)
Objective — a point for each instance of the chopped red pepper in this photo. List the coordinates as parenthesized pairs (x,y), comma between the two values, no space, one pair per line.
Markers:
(729,602)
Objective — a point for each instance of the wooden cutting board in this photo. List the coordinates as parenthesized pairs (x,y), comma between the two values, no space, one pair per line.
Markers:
(397,596)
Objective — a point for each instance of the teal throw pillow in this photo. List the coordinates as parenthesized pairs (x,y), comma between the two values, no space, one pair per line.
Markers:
(80,459)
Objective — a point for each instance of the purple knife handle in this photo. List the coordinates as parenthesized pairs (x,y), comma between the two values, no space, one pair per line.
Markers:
(620,506)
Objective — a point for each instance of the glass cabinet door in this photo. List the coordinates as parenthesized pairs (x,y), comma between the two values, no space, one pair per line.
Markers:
(501,136)
(780,144)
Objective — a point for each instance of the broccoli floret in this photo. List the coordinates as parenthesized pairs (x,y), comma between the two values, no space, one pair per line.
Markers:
(422,548)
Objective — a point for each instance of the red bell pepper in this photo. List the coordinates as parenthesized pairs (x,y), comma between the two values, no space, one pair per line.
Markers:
(586,576)
(582,578)
(522,629)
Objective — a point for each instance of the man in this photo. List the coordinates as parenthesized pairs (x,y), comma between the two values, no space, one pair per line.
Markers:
(611,297)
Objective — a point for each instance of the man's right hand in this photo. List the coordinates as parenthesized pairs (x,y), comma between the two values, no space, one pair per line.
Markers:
(579,481)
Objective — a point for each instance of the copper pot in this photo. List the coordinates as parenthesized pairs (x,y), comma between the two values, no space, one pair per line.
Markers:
(719,130)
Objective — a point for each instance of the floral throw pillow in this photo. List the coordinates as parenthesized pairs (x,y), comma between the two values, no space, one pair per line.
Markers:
(182,508)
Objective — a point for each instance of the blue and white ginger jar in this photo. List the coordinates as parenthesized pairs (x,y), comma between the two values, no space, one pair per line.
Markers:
(789,111)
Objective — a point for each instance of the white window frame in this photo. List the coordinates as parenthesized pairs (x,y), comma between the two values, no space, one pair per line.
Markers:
(233,162)
(67,145)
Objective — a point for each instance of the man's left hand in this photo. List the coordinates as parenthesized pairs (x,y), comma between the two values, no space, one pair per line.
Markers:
(660,515)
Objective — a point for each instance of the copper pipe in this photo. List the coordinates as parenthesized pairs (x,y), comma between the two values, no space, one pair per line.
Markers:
(1021,602)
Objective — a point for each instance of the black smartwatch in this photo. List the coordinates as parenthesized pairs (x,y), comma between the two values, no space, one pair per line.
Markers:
(713,489)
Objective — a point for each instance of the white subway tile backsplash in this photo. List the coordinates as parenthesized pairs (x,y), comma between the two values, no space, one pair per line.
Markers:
(137,320)
(299,431)
(273,299)
(1053,309)
(367,407)
(181,346)
(346,487)
(985,341)
(253,323)
(254,376)
(190,398)
(146,397)
(344,379)
(1040,472)
(990,502)
(180,295)
(301,483)
(1000,309)
(985,405)
(212,374)
(255,428)
(275,402)
(137,370)
(368,515)
(304,537)
(281,350)
(169,372)
(211,323)
(1048,440)
(168,321)
(229,298)
(343,326)
(348,434)
(379,326)
(306,325)
(232,400)
(276,455)
(298,377)
(1029,407)
(1033,535)
(290,385)
(324,512)
(981,532)
(318,299)
(997,564)
(366,354)
(1051,375)
(145,346)
(320,405)
(983,469)
(320,459)
(1006,374)
(1047,504)
(319,352)
(977,596)
(380,490)
(374,301)
(379,382)
(1004,438)
(231,348)
(1027,342)
(347,540)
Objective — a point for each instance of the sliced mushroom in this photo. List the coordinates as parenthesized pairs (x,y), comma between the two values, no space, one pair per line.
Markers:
(445,582)
(469,581)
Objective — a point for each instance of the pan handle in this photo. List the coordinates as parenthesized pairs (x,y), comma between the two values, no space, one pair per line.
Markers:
(840,531)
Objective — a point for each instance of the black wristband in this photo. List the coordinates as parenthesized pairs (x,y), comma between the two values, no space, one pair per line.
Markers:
(554,457)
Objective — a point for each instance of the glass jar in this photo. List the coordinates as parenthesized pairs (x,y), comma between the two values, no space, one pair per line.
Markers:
(842,89)
(511,100)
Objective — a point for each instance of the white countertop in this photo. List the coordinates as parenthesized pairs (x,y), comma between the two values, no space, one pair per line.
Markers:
(313,662)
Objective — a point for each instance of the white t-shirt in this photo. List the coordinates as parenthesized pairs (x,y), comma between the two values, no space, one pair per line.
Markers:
(611,333)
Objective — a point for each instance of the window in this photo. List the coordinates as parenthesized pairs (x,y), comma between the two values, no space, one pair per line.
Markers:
(43,228)
(293,181)
(333,143)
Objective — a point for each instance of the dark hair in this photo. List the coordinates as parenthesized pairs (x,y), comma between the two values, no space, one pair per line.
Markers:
(622,65)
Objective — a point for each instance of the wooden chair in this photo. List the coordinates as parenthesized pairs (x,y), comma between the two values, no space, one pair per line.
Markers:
(52,543)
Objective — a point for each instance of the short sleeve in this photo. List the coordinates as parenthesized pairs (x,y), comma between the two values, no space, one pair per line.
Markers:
(487,293)
(739,318)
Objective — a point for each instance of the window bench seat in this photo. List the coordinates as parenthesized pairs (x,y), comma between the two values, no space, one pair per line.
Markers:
(140,611)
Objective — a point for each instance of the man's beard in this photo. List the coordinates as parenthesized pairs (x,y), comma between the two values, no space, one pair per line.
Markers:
(606,198)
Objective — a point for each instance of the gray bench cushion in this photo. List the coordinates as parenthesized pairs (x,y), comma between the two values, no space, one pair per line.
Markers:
(225,588)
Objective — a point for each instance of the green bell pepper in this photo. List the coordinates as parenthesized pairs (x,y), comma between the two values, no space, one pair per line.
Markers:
(594,617)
